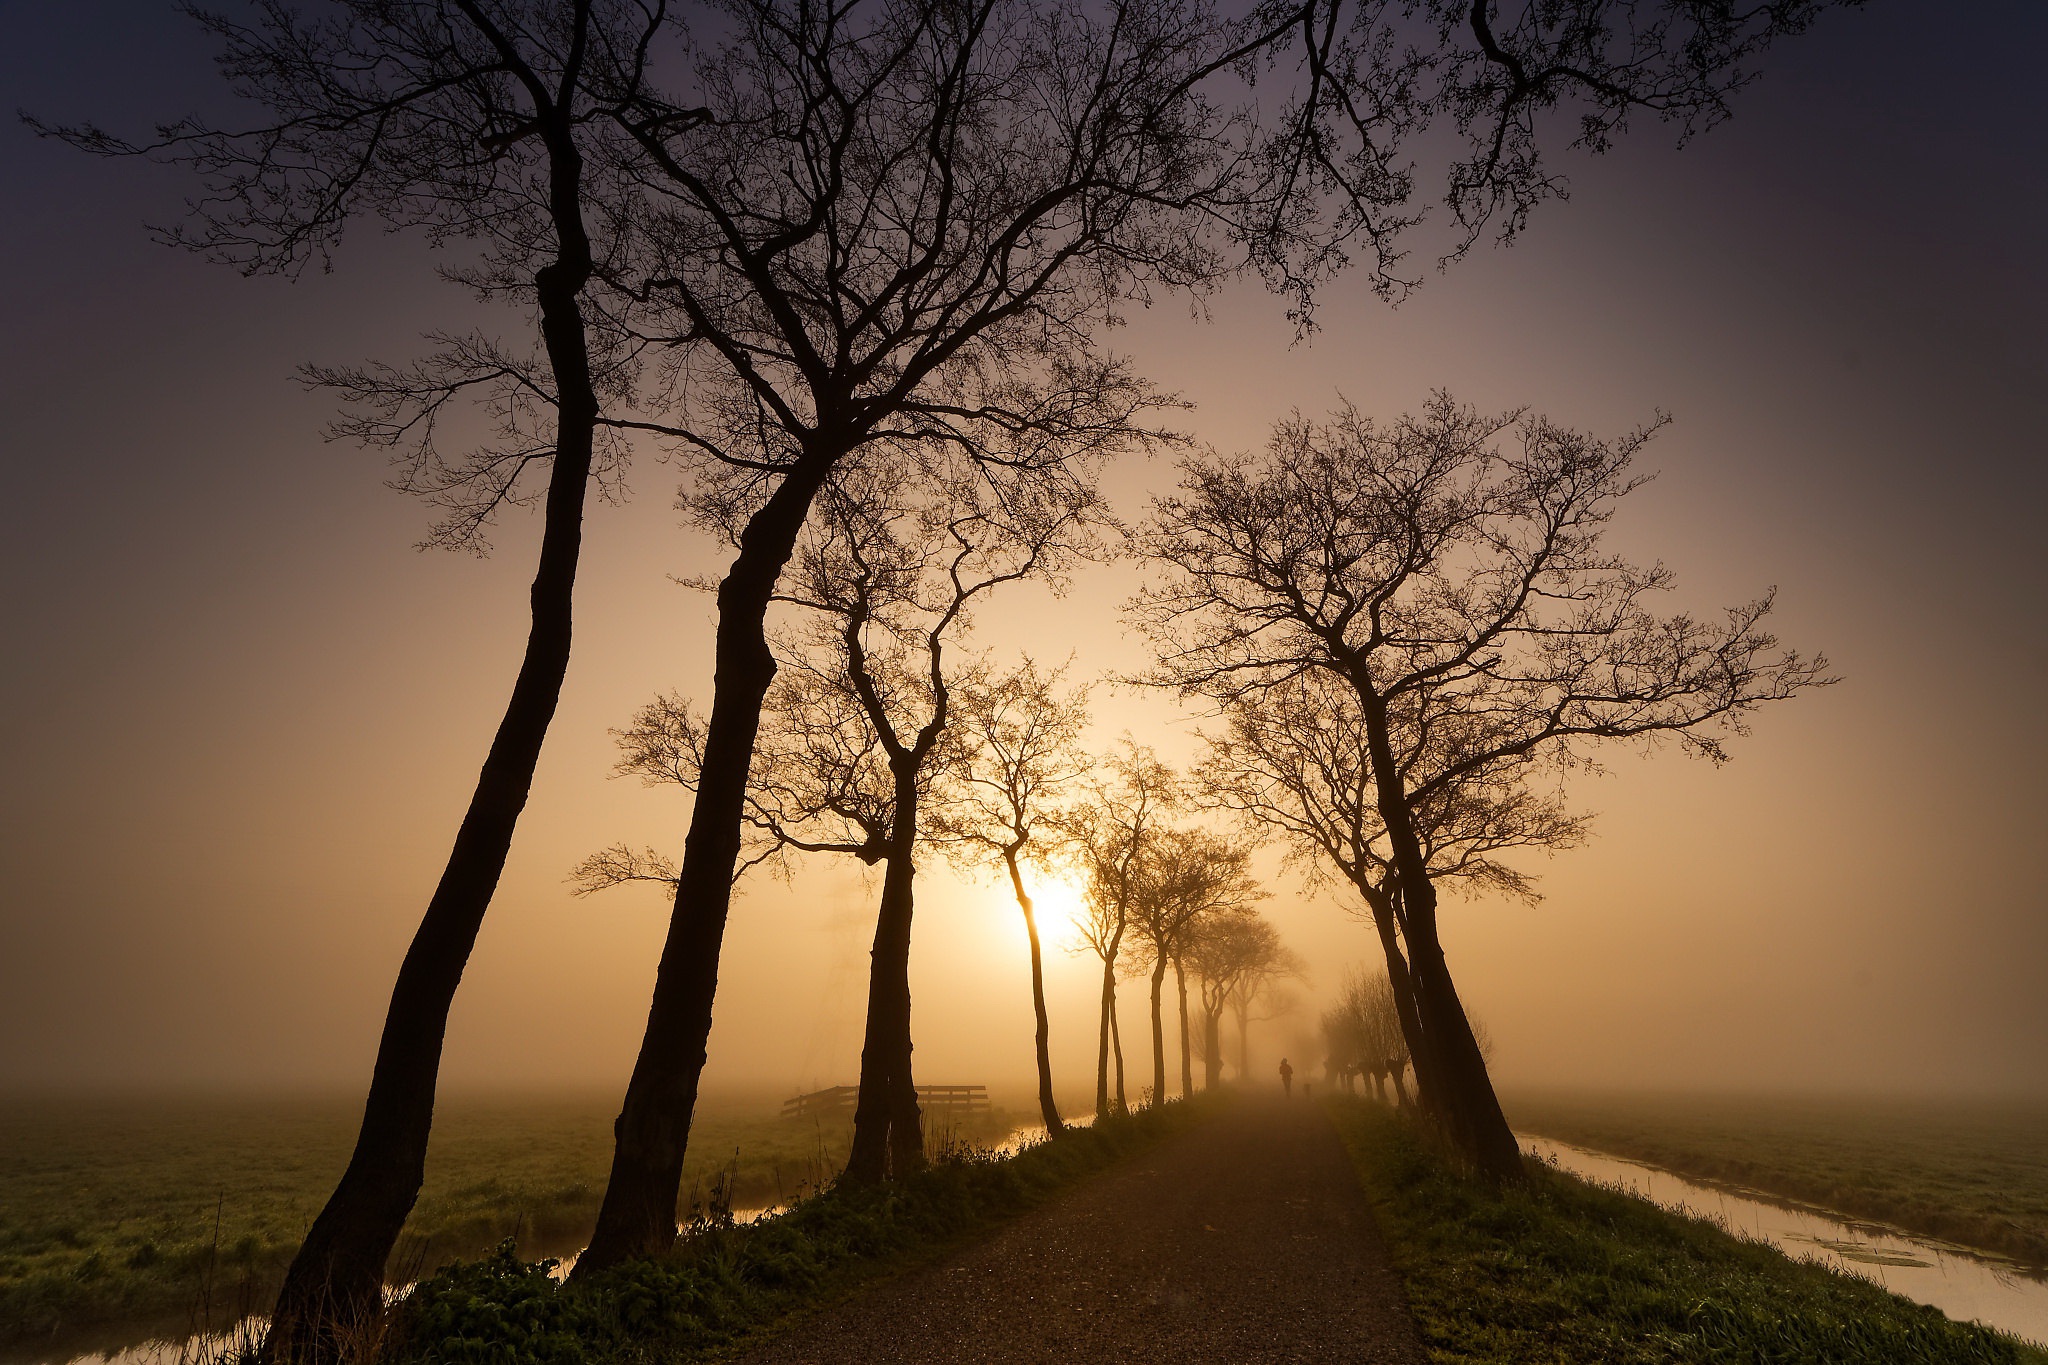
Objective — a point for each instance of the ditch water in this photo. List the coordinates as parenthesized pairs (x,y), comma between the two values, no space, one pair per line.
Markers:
(1967,1287)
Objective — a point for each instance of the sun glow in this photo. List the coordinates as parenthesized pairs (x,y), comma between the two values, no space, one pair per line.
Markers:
(1058,905)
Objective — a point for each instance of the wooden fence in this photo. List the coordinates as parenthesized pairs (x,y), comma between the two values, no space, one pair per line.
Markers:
(837,1100)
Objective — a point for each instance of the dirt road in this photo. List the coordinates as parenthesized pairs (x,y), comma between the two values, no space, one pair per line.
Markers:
(1241,1242)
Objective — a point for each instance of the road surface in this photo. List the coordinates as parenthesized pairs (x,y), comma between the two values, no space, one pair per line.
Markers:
(1242,1241)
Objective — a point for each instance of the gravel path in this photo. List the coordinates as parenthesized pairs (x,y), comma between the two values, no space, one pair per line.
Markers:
(1241,1242)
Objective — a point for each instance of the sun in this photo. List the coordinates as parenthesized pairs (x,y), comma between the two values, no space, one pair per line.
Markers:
(1058,905)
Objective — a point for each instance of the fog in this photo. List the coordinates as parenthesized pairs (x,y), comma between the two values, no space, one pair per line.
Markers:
(242,714)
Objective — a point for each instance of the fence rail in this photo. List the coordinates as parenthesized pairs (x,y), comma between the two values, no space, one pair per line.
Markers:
(834,1100)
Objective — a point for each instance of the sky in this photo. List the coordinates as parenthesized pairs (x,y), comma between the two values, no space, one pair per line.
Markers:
(240,713)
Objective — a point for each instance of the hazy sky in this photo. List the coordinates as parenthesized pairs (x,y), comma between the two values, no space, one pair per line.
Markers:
(239,715)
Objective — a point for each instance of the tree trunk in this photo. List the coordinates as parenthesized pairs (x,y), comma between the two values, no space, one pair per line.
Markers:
(1158,1030)
(1402,985)
(1112,1037)
(1477,1119)
(888,1132)
(1102,1039)
(334,1286)
(1461,1091)
(1244,1045)
(1212,1048)
(1042,1038)
(1187,1061)
(638,1215)
(1116,1043)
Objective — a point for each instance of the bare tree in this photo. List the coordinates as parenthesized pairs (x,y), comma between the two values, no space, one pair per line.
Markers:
(894,583)
(489,124)
(1292,759)
(1113,831)
(884,583)
(1019,746)
(861,228)
(1366,1034)
(1453,580)
(1177,880)
(1223,951)
(1264,992)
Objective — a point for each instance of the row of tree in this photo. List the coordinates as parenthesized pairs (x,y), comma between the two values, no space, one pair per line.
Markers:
(814,250)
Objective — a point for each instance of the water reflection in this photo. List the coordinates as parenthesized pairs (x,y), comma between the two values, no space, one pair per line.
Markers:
(1967,1287)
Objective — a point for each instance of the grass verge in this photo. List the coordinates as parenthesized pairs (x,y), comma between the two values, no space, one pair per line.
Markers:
(1558,1271)
(727,1281)
(1974,1173)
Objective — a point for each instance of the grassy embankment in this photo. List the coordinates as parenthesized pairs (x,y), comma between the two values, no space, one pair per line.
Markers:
(726,1282)
(1970,1173)
(1560,1271)
(118,1220)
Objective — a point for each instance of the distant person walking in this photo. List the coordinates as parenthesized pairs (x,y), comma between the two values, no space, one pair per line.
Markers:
(1286,1078)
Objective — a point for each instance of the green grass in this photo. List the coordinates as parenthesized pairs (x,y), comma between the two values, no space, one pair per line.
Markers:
(725,1282)
(1971,1173)
(1557,1272)
(117,1218)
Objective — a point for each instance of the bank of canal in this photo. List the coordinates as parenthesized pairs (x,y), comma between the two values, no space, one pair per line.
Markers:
(1966,1286)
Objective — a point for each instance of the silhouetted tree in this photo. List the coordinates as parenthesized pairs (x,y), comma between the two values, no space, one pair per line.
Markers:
(878,227)
(1223,951)
(1365,1033)
(1113,831)
(1176,881)
(1262,993)
(1461,593)
(1019,746)
(884,581)
(1292,759)
(873,227)
(492,124)
(896,587)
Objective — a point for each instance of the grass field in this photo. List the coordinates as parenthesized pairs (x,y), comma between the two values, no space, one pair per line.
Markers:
(1558,1271)
(119,1219)
(1972,1173)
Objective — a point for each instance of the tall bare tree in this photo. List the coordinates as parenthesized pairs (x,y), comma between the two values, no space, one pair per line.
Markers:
(490,124)
(1177,880)
(1120,818)
(866,227)
(1448,570)
(1020,755)
(875,233)
(1292,759)
(884,583)
(1226,952)
(895,584)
